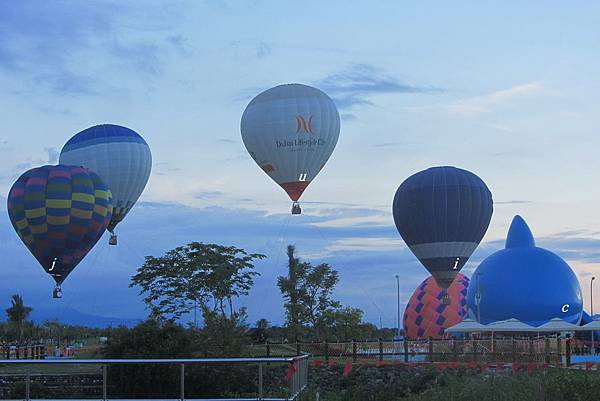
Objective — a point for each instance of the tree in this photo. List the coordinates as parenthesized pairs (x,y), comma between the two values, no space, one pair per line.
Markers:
(345,324)
(18,313)
(307,290)
(261,332)
(209,275)
(289,288)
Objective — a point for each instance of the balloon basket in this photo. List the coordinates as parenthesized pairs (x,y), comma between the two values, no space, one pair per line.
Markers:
(112,240)
(57,293)
(296,208)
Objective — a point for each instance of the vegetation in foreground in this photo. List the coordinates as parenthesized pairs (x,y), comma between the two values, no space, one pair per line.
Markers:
(391,383)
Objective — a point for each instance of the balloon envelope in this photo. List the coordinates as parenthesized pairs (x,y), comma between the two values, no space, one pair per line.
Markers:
(290,131)
(525,282)
(59,212)
(426,316)
(442,214)
(119,155)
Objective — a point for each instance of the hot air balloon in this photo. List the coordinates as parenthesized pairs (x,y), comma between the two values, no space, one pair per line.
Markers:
(59,212)
(442,214)
(122,159)
(426,316)
(290,131)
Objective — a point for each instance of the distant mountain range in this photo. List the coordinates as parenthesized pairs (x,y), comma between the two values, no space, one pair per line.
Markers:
(74,317)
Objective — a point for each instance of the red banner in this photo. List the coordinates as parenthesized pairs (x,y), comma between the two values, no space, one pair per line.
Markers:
(347,368)
(290,372)
(515,366)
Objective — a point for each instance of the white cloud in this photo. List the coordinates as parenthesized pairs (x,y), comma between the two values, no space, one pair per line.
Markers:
(360,244)
(486,103)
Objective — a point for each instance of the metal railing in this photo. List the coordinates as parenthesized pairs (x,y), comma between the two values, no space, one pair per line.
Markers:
(504,349)
(297,373)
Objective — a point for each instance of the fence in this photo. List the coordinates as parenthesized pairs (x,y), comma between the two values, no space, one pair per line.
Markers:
(539,350)
(296,376)
(23,351)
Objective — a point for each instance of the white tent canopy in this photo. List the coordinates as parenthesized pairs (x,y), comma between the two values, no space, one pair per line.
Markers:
(467,326)
(510,325)
(557,324)
(513,325)
(591,326)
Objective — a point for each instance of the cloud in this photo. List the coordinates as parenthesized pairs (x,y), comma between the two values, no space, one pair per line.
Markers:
(207,195)
(142,57)
(355,85)
(361,244)
(53,154)
(263,50)
(49,43)
(512,202)
(486,103)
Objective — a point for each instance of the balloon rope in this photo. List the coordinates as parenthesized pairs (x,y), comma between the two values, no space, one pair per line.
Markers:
(281,240)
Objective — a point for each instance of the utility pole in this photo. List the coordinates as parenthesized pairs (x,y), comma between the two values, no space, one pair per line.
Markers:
(478,297)
(592,309)
(398,306)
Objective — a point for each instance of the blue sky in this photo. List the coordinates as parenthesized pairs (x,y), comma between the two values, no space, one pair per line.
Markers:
(507,90)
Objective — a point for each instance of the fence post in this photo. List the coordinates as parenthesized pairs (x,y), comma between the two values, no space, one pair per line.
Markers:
(260,381)
(7,350)
(268,346)
(182,381)
(531,349)
(326,351)
(405,341)
(104,383)
(454,350)
(559,348)
(28,386)
(474,349)
(547,350)
(354,350)
(380,349)
(568,352)
(298,348)
(430,348)
(17,352)
(514,349)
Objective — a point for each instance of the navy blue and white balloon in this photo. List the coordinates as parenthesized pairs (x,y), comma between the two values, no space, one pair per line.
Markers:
(442,214)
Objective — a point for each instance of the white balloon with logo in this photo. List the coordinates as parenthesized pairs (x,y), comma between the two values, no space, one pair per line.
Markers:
(291,131)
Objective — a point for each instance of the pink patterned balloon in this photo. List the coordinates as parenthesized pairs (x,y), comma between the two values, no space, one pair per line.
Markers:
(426,316)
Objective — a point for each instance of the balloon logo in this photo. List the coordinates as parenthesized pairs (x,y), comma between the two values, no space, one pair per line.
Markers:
(59,212)
(273,127)
(303,124)
(122,159)
(442,214)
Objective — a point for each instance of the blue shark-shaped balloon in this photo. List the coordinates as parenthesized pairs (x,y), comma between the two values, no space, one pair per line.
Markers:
(525,282)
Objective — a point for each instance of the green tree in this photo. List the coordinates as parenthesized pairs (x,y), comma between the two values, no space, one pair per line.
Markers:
(18,313)
(208,275)
(345,324)
(261,332)
(223,335)
(307,290)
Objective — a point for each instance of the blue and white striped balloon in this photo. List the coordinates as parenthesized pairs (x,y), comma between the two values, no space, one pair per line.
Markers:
(120,156)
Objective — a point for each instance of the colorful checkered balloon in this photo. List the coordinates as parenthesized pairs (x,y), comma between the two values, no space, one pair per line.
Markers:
(427,316)
(59,212)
